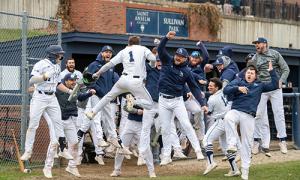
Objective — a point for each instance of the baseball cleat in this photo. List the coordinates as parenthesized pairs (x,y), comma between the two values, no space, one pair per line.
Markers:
(245,173)
(65,154)
(135,153)
(47,172)
(141,161)
(102,143)
(127,157)
(90,115)
(255,148)
(152,174)
(266,151)
(73,171)
(78,161)
(115,173)
(99,159)
(165,161)
(283,147)
(232,173)
(199,155)
(26,156)
(231,150)
(124,151)
(210,167)
(114,141)
(179,155)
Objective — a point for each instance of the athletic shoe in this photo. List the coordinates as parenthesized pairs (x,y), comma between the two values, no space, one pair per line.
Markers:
(135,153)
(165,161)
(47,172)
(152,174)
(73,171)
(65,154)
(179,155)
(114,141)
(199,155)
(255,148)
(90,115)
(115,173)
(124,151)
(99,159)
(26,156)
(283,147)
(231,150)
(210,167)
(102,143)
(245,173)
(266,151)
(232,173)
(141,161)
(110,155)
(79,159)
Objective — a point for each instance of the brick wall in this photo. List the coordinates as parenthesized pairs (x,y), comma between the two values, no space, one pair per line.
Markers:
(109,17)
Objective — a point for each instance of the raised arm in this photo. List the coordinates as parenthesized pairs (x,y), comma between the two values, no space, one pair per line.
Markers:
(270,86)
(164,56)
(205,54)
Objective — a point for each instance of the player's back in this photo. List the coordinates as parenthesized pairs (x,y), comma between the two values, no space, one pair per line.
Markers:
(133,59)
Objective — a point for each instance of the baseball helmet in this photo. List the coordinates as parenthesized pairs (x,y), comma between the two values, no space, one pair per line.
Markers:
(55,49)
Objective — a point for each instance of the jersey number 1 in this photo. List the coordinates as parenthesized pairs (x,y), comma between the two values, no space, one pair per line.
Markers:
(131,56)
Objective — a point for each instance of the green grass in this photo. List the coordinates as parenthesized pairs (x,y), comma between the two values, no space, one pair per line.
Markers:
(15,34)
(280,171)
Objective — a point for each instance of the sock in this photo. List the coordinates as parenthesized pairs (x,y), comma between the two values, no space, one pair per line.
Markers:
(209,153)
(282,139)
(62,143)
(231,159)
(257,139)
(80,135)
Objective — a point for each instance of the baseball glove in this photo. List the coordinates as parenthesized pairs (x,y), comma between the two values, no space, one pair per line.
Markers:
(87,78)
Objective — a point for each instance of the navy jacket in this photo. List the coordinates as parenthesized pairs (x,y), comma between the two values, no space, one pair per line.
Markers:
(248,102)
(230,72)
(152,81)
(199,69)
(106,81)
(173,77)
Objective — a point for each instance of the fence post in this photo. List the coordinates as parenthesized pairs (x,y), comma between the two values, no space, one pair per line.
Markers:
(59,31)
(296,123)
(24,72)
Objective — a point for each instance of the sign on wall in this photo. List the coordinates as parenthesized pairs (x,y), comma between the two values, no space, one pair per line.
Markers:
(140,21)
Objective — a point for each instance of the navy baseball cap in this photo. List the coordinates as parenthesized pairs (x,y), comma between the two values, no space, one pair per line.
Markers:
(196,54)
(107,48)
(70,76)
(183,52)
(260,40)
(225,51)
(157,58)
(219,61)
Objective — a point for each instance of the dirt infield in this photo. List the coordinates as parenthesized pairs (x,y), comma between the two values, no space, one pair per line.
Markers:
(177,168)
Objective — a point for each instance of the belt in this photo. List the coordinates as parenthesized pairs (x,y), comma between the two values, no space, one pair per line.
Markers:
(252,114)
(47,93)
(132,76)
(167,96)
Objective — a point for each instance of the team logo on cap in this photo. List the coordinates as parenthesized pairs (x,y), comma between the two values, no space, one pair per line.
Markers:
(180,51)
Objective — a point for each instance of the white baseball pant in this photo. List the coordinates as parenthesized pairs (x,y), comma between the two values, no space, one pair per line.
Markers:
(247,123)
(69,127)
(39,104)
(166,109)
(262,127)
(216,131)
(127,84)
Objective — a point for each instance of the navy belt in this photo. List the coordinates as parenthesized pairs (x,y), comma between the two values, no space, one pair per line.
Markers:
(167,96)
(47,93)
(132,76)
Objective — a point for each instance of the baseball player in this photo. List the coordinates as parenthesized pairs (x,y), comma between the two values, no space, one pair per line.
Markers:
(173,76)
(102,86)
(131,130)
(217,108)
(70,68)
(262,130)
(69,115)
(246,96)
(45,78)
(133,58)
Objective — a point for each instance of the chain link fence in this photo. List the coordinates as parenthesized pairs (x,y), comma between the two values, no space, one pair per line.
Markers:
(23,40)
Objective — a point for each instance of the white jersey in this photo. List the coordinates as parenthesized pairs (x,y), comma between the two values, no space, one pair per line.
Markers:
(42,67)
(133,59)
(217,105)
(66,71)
